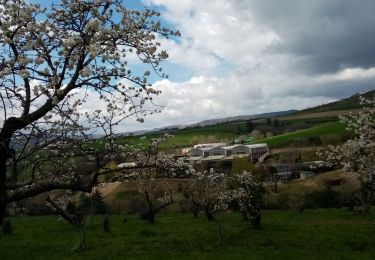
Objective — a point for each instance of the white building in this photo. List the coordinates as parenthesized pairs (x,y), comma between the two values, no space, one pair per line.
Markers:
(205,152)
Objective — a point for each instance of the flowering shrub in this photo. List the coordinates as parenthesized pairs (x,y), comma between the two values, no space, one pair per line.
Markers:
(357,154)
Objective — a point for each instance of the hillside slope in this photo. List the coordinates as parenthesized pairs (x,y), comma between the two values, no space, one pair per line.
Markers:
(343,104)
(328,129)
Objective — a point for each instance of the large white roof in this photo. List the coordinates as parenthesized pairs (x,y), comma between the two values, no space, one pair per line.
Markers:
(256,145)
(209,145)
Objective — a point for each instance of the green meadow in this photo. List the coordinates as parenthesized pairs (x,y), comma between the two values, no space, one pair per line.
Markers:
(331,128)
(313,234)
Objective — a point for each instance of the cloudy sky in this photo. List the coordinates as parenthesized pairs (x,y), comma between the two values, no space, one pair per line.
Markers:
(240,57)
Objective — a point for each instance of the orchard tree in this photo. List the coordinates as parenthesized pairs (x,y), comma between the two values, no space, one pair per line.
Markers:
(248,194)
(158,194)
(54,63)
(210,192)
(357,154)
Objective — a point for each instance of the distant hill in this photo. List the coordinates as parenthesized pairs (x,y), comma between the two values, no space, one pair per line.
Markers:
(211,122)
(243,118)
(343,104)
(303,127)
(336,108)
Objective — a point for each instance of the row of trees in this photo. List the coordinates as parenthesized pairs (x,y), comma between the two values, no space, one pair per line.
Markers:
(209,192)
(55,60)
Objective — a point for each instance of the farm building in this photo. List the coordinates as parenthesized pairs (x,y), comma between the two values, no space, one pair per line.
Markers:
(255,152)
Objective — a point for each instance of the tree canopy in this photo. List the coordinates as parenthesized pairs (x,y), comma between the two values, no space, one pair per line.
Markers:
(55,60)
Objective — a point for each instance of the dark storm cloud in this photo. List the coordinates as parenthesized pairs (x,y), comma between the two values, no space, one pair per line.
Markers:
(323,35)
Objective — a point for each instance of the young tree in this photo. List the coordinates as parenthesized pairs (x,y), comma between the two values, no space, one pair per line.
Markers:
(210,192)
(158,195)
(93,203)
(357,154)
(52,62)
(249,194)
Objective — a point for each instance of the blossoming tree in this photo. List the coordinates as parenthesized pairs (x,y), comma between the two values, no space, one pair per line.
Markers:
(55,60)
(210,192)
(248,194)
(357,154)
(158,194)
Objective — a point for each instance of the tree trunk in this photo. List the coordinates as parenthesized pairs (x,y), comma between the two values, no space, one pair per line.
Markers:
(195,212)
(244,215)
(3,207)
(256,220)
(151,217)
(257,223)
(196,208)
(275,182)
(151,212)
(208,214)
(6,133)
(3,192)
(81,246)
(220,229)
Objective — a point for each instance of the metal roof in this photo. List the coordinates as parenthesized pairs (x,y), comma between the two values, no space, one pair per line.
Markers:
(256,145)
(213,157)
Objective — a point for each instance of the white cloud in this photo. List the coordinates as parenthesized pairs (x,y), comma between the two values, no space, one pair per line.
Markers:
(250,57)
(202,98)
(220,29)
(188,56)
(234,54)
(349,74)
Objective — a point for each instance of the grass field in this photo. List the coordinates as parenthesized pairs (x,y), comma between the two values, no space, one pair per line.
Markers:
(336,128)
(330,115)
(227,133)
(343,104)
(314,234)
(188,137)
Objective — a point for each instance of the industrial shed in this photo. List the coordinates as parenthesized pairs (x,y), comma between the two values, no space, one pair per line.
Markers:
(255,152)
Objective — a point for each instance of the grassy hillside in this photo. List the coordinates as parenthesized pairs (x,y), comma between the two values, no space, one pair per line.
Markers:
(321,116)
(190,136)
(314,234)
(314,122)
(332,128)
(227,132)
(344,104)
(308,119)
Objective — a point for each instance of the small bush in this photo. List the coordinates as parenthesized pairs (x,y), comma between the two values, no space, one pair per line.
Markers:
(327,198)
(315,140)
(301,141)
(92,204)
(282,201)
(331,139)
